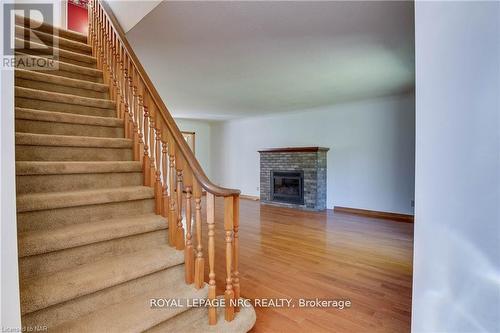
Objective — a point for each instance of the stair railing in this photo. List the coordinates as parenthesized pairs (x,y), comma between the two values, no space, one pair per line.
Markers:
(169,165)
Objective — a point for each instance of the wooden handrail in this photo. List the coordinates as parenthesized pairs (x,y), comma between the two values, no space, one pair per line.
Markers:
(182,145)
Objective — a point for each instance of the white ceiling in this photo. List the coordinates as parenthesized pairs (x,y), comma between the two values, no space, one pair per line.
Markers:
(222,60)
(130,12)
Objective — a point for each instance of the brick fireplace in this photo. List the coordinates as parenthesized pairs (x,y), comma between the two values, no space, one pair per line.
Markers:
(294,177)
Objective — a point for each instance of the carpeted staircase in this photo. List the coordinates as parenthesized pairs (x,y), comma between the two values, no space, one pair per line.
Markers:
(92,252)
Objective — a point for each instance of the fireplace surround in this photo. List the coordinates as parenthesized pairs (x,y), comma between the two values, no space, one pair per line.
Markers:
(294,177)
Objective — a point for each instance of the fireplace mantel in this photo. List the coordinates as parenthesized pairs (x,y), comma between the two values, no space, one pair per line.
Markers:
(294,150)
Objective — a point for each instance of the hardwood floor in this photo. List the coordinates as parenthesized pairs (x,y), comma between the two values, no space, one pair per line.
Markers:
(287,253)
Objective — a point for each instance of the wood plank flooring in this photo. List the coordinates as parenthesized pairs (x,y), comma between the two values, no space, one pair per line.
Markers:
(297,254)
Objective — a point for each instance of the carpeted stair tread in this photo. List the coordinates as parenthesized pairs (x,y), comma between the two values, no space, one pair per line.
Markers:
(59,80)
(30,139)
(24,168)
(64,98)
(68,67)
(38,242)
(84,59)
(61,42)
(63,117)
(135,314)
(54,200)
(42,291)
(48,28)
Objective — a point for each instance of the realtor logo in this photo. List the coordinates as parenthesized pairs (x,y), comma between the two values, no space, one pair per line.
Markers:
(29,40)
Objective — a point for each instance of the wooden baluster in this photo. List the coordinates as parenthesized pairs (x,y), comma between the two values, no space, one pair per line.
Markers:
(165,202)
(112,84)
(140,117)
(179,166)
(106,51)
(103,46)
(188,251)
(126,105)
(94,9)
(97,34)
(107,58)
(95,31)
(172,217)
(130,102)
(145,160)
(228,228)
(199,265)
(89,20)
(100,40)
(118,77)
(158,187)
(90,9)
(137,108)
(212,311)
(152,142)
(236,251)
(116,80)
(109,53)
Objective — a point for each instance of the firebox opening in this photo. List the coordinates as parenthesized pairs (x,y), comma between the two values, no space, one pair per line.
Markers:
(287,186)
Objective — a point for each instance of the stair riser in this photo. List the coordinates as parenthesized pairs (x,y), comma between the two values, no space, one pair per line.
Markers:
(53,218)
(74,75)
(58,260)
(49,39)
(49,127)
(80,306)
(74,182)
(39,85)
(64,57)
(51,153)
(63,107)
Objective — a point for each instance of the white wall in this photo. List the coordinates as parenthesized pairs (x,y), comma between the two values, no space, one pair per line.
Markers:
(9,286)
(456,282)
(10,316)
(371,157)
(203,139)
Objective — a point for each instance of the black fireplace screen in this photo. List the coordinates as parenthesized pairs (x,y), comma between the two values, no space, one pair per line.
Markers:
(287,186)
